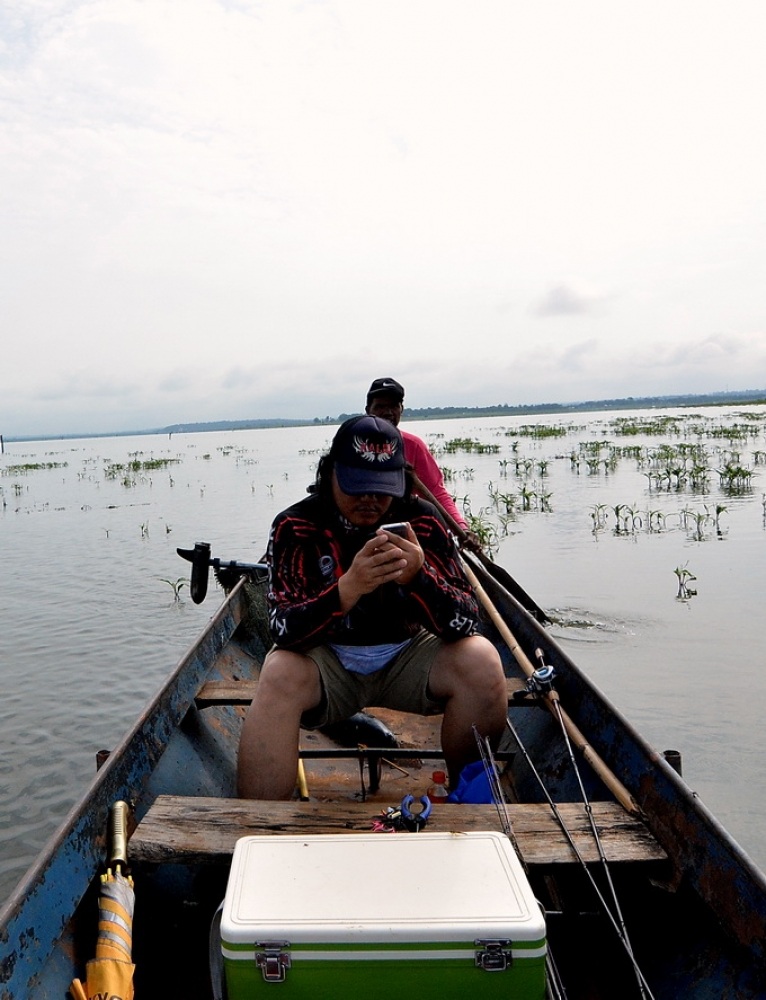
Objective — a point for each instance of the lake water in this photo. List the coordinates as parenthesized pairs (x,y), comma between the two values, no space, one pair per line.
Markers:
(89,625)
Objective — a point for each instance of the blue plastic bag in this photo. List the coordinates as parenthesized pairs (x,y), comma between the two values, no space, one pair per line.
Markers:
(473,786)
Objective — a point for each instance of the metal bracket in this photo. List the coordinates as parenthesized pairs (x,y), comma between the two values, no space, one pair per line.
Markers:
(494,956)
(273,961)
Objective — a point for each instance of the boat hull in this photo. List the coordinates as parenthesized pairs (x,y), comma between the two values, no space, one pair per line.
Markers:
(697,919)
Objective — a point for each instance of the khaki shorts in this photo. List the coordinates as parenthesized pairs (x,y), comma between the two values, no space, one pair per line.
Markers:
(402,685)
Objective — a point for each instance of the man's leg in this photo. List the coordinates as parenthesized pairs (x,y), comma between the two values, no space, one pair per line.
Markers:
(469,675)
(289,685)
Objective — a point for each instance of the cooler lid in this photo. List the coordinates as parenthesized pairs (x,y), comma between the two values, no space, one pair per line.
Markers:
(398,887)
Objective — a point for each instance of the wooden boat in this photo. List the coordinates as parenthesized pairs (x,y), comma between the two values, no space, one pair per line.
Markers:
(692,904)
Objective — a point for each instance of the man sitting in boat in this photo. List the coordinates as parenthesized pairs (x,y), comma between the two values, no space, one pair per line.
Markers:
(361,616)
(385,398)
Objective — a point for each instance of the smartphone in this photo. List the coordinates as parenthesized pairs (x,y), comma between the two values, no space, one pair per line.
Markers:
(399,528)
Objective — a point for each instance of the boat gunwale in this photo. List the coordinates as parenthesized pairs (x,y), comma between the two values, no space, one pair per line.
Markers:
(32,914)
(698,858)
(694,839)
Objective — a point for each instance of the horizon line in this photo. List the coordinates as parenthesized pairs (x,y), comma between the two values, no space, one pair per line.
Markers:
(419,413)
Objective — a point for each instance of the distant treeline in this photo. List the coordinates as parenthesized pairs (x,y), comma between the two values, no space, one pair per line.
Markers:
(231,425)
(443,413)
(589,405)
(499,410)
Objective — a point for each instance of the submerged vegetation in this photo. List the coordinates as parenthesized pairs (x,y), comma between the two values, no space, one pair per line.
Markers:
(137,466)
(176,585)
(685,577)
(698,452)
(22,470)
(687,474)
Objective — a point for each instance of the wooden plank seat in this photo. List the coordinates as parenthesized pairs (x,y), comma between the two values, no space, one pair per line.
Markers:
(232,692)
(193,830)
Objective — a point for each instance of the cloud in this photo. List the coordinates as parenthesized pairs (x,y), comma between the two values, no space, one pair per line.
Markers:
(86,385)
(177,381)
(531,371)
(721,353)
(569,299)
(227,208)
(580,356)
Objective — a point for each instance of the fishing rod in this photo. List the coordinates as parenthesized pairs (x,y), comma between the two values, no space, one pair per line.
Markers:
(540,682)
(548,674)
(555,989)
(495,788)
(643,985)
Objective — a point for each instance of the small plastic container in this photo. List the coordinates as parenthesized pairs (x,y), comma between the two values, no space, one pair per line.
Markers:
(438,793)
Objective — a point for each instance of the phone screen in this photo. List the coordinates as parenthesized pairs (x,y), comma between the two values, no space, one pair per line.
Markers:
(400,528)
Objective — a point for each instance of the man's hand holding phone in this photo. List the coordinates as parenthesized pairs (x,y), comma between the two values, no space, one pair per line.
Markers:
(404,544)
(392,555)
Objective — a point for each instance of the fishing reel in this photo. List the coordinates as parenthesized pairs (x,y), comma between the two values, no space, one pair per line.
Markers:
(539,684)
(541,681)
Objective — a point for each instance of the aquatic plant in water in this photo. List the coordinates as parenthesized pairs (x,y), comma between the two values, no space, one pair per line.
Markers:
(176,585)
(734,477)
(21,470)
(481,526)
(685,577)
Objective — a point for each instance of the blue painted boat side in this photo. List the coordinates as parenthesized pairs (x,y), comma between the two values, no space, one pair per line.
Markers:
(34,921)
(173,747)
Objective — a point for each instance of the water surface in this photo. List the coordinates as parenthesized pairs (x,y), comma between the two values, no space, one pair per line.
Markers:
(89,625)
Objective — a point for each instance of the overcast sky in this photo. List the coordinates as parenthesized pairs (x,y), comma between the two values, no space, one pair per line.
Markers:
(221,209)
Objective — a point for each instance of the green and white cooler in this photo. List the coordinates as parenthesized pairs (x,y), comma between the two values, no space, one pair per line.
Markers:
(380,916)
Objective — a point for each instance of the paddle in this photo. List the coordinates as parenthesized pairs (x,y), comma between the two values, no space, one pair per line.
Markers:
(485,564)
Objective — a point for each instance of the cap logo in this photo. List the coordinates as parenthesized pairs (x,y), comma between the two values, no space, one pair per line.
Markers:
(371,451)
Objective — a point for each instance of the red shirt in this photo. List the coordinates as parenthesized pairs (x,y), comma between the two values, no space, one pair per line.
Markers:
(422,461)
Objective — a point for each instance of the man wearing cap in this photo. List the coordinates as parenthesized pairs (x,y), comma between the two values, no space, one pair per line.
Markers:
(385,398)
(361,616)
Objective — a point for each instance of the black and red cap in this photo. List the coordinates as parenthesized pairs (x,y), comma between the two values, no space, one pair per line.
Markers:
(368,455)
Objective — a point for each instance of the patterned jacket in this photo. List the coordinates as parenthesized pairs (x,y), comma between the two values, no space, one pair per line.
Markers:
(311,546)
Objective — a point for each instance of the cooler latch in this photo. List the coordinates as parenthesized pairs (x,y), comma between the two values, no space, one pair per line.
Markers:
(273,961)
(494,956)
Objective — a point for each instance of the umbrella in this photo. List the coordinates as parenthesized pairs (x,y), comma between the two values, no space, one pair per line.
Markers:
(110,972)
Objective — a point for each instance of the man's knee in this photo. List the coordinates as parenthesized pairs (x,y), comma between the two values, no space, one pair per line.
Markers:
(476,658)
(289,678)
(471,664)
(487,675)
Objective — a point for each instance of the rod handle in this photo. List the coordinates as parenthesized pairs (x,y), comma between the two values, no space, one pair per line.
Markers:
(118,835)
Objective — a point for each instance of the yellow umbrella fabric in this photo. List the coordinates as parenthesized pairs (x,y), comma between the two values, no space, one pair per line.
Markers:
(110,972)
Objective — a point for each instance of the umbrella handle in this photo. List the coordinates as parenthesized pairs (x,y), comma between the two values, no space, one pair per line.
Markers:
(78,990)
(118,835)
